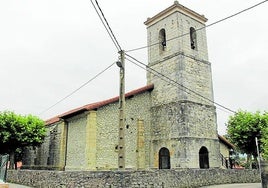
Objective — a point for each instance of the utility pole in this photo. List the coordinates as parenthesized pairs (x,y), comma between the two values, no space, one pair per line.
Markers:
(121,139)
(259,156)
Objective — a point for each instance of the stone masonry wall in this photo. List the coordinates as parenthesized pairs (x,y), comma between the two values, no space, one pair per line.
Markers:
(131,179)
(137,108)
(76,143)
(188,67)
(46,156)
(93,137)
(183,128)
(183,119)
(177,24)
(183,115)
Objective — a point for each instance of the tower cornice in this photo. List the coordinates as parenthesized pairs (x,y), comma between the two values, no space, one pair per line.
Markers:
(176,7)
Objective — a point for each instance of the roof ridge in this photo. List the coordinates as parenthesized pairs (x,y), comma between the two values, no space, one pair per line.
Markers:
(95,105)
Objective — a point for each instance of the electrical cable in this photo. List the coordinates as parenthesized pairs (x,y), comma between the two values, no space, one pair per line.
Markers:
(182,86)
(159,75)
(187,90)
(114,40)
(162,78)
(87,82)
(107,28)
(174,83)
(201,28)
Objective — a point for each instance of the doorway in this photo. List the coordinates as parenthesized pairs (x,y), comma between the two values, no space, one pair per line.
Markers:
(164,158)
(203,157)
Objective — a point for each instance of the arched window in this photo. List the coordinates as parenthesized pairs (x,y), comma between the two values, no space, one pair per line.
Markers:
(162,39)
(193,38)
(164,159)
(203,157)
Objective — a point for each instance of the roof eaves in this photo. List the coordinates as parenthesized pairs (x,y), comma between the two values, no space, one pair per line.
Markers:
(52,120)
(227,142)
(115,99)
(97,105)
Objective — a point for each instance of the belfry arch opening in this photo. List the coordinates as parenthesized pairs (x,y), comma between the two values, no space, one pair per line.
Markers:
(162,39)
(193,40)
(203,158)
(164,158)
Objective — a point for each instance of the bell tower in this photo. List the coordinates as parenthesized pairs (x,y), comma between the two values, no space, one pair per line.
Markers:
(183,127)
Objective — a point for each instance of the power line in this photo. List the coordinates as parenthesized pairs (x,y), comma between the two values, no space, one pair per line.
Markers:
(201,28)
(114,40)
(169,80)
(121,141)
(164,78)
(189,91)
(106,25)
(87,82)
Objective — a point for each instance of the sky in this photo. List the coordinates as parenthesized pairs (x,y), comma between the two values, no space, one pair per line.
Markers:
(50,48)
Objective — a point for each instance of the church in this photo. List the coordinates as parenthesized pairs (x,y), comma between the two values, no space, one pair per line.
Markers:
(169,124)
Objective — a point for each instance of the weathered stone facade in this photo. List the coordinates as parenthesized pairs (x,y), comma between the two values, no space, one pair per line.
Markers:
(137,118)
(183,116)
(132,179)
(51,154)
(90,138)
(170,123)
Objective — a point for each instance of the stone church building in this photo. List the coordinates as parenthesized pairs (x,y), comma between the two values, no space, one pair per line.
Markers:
(170,122)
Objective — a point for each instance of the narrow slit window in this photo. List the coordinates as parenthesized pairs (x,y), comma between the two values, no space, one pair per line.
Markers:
(162,39)
(193,38)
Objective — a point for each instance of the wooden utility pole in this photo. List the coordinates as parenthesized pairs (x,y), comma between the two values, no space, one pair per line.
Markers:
(121,140)
(259,156)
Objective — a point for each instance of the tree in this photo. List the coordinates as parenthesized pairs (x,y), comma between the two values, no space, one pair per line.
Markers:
(17,131)
(264,139)
(244,127)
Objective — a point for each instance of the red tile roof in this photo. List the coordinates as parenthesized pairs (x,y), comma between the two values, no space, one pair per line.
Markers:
(225,141)
(96,105)
(52,120)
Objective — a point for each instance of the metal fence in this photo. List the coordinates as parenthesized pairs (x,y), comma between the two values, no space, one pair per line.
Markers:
(3,167)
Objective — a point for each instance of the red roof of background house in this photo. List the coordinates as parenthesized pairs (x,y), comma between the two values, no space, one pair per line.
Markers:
(96,105)
(225,141)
